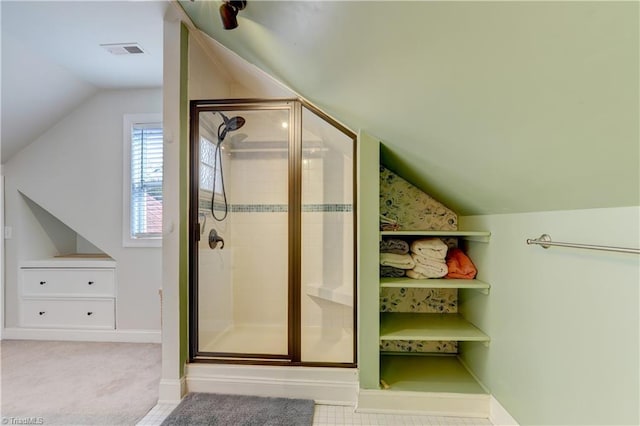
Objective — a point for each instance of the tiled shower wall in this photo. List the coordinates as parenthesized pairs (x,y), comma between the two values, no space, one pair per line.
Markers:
(327,237)
(257,184)
(215,274)
(253,265)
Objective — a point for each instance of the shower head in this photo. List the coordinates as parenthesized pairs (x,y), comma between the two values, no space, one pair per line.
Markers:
(233,123)
(230,125)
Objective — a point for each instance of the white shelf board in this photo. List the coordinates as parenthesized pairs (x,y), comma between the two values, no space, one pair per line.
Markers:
(406,282)
(70,262)
(431,373)
(482,236)
(412,326)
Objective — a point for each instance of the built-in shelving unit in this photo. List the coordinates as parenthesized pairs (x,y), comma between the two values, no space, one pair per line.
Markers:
(428,372)
(432,382)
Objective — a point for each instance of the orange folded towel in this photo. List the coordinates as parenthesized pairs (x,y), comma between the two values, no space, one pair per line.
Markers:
(460,266)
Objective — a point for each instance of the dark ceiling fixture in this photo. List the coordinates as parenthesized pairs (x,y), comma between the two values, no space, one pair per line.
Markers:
(228,12)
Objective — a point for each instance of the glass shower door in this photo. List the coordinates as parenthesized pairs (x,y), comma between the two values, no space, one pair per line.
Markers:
(243,254)
(272,235)
(328,291)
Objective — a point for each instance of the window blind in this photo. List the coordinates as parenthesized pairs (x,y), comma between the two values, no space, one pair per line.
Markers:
(146,180)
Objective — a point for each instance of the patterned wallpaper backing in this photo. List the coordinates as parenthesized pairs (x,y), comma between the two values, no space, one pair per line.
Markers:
(419,300)
(405,207)
(422,300)
(410,208)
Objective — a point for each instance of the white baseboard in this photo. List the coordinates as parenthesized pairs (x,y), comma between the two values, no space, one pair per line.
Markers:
(338,386)
(172,390)
(499,416)
(423,403)
(119,336)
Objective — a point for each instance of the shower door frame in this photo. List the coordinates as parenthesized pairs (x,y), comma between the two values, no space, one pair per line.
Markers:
(294,302)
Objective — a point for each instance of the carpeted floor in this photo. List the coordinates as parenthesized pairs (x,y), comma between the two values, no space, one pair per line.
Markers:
(211,409)
(79,383)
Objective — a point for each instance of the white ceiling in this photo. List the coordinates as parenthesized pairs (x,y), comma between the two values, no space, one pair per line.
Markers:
(52,60)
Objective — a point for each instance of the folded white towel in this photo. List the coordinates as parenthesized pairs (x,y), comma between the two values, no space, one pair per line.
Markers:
(433,269)
(415,275)
(427,261)
(401,261)
(432,248)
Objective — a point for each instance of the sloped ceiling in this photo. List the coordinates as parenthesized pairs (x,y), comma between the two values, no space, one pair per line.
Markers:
(36,94)
(491,107)
(52,60)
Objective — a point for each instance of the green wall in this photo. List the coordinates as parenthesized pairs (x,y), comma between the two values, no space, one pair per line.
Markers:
(184,200)
(563,322)
(368,207)
(493,107)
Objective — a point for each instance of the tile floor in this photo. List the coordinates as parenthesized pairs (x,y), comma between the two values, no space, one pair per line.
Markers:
(334,415)
(157,415)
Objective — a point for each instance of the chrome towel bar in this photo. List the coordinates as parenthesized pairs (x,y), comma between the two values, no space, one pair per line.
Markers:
(545,241)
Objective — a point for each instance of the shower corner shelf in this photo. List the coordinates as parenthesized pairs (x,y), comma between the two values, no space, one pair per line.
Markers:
(331,294)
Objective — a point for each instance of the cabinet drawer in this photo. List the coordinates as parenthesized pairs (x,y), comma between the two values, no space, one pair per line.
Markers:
(68,313)
(68,282)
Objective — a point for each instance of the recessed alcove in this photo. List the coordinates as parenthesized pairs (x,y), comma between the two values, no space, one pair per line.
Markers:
(46,236)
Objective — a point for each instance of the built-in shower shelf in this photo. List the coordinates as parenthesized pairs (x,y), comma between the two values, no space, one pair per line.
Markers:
(336,295)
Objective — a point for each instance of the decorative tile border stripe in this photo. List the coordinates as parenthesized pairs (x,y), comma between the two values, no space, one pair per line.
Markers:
(308,208)
(259,208)
(276,208)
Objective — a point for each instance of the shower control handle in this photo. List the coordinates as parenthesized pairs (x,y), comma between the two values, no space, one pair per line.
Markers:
(214,239)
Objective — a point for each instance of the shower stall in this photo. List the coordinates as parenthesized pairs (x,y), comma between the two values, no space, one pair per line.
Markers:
(271,235)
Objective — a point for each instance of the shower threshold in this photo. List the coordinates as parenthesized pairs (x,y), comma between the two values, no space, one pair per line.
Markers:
(325,385)
(319,344)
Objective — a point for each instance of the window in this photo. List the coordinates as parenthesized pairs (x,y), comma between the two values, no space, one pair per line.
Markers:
(143,180)
(207,159)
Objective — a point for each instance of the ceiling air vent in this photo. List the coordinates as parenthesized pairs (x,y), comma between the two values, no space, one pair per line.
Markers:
(123,48)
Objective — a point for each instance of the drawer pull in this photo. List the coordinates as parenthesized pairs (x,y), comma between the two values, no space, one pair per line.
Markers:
(91,282)
(43,282)
(41,313)
(89,313)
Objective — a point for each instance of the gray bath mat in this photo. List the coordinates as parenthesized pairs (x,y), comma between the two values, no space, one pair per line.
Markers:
(240,410)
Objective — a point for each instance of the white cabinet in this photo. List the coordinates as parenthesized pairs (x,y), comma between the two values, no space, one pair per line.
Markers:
(68,293)
(71,282)
(67,313)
